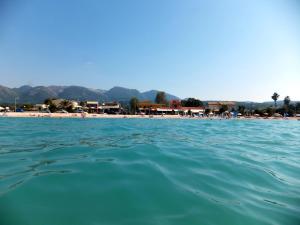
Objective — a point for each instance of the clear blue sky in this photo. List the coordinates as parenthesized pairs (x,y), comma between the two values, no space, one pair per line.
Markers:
(233,50)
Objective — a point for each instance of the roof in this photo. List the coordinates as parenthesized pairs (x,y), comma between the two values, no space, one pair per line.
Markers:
(146,102)
(149,105)
(92,103)
(194,108)
(227,102)
(213,103)
(166,109)
(40,105)
(57,101)
(219,103)
(109,106)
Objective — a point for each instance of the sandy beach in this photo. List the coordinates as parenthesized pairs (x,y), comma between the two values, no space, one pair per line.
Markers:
(103,116)
(79,115)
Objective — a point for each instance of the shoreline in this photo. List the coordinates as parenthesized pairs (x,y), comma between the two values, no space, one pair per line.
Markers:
(106,116)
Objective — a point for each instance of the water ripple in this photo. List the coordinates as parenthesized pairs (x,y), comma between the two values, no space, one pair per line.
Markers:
(132,171)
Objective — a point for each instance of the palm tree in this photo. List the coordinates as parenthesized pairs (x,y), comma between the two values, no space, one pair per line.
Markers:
(275,97)
(287,100)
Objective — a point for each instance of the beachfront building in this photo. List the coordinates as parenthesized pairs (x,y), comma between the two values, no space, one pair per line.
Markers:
(175,108)
(92,106)
(63,103)
(110,108)
(215,107)
(193,111)
(148,107)
(166,111)
(69,105)
(40,107)
(76,106)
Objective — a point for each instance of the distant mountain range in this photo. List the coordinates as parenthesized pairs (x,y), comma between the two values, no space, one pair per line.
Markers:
(29,94)
(37,94)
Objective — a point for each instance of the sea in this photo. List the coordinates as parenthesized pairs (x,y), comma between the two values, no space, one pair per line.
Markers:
(149,172)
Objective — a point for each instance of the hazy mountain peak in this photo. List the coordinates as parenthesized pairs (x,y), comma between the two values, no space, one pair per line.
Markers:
(37,94)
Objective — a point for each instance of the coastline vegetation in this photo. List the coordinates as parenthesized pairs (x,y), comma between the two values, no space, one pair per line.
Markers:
(287,108)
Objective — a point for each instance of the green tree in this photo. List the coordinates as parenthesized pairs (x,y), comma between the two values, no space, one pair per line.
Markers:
(297,107)
(258,111)
(270,111)
(161,98)
(191,102)
(48,101)
(286,105)
(223,108)
(275,97)
(64,104)
(287,100)
(207,111)
(52,107)
(241,109)
(133,105)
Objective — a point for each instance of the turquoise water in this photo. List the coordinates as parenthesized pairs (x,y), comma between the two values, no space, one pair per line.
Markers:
(147,171)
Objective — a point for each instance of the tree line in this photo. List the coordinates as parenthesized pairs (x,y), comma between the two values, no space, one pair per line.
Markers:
(162,99)
(288,108)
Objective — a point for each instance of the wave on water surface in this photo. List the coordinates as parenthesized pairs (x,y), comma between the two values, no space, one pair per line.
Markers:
(138,171)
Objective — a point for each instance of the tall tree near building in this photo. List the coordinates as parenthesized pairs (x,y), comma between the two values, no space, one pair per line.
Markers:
(241,109)
(287,100)
(161,98)
(286,103)
(297,107)
(64,104)
(275,97)
(52,107)
(223,108)
(48,101)
(133,105)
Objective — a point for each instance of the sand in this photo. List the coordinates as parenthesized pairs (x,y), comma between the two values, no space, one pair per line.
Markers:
(86,115)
